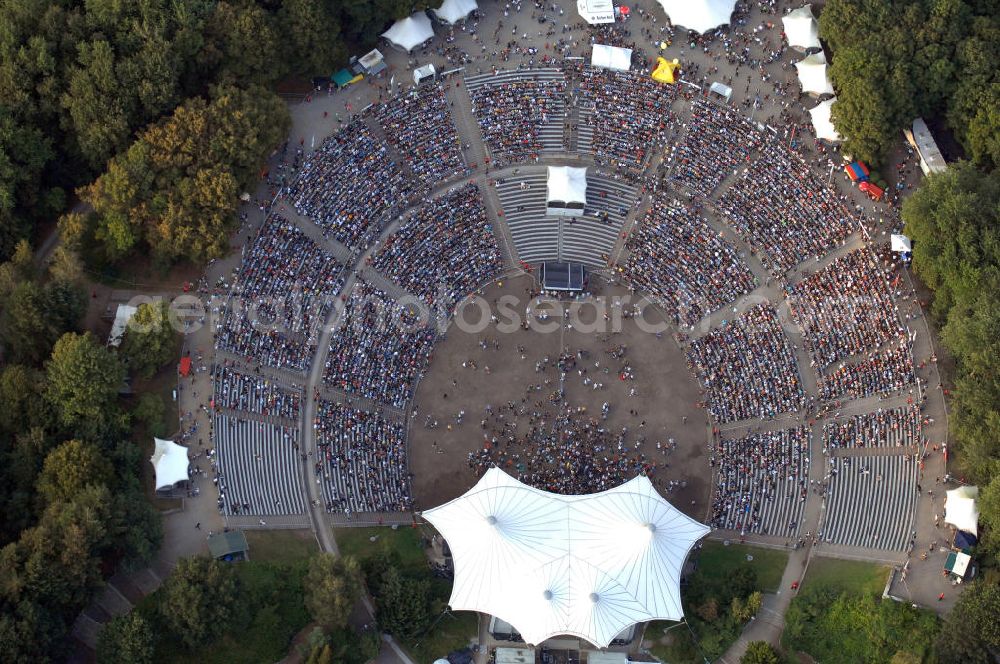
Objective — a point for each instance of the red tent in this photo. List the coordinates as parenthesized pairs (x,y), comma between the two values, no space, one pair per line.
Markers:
(872,190)
(185,366)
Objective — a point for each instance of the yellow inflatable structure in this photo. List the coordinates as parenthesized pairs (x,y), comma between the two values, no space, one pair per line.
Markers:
(665,71)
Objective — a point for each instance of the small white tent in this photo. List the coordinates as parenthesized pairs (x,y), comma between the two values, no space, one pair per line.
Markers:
(373,61)
(724,91)
(822,124)
(596,12)
(801,28)
(410,32)
(699,15)
(960,508)
(900,243)
(611,57)
(567,191)
(812,74)
(170,461)
(421,74)
(453,11)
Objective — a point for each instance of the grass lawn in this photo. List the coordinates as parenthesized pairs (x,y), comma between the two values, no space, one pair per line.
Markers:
(281,546)
(452,632)
(679,649)
(845,575)
(716,558)
(405,541)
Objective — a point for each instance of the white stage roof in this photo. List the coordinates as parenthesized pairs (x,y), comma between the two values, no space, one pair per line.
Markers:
(812,74)
(960,508)
(596,12)
(567,184)
(611,57)
(453,11)
(699,15)
(170,461)
(822,124)
(586,566)
(801,28)
(410,32)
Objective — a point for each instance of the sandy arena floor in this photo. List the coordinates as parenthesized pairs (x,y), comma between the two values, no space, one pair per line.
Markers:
(665,393)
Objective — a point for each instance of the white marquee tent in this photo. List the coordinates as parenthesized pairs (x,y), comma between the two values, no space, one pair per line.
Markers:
(822,124)
(170,462)
(410,32)
(453,11)
(611,57)
(587,566)
(801,28)
(566,190)
(699,15)
(812,74)
(960,508)
(596,12)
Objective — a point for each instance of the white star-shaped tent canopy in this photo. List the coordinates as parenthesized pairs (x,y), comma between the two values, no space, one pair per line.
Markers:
(801,28)
(699,15)
(587,566)
(812,74)
(822,122)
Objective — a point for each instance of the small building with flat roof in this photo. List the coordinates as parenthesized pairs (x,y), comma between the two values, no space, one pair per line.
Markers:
(920,137)
(229,545)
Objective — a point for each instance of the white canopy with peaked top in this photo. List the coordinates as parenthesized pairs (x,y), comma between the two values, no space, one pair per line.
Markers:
(587,566)
(453,11)
(611,57)
(822,124)
(699,15)
(801,28)
(960,508)
(596,12)
(410,32)
(812,74)
(170,461)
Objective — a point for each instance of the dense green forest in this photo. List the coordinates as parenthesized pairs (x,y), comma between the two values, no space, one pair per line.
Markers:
(94,91)
(954,220)
(896,60)
(158,114)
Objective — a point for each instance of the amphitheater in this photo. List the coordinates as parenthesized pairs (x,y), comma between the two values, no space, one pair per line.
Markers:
(780,392)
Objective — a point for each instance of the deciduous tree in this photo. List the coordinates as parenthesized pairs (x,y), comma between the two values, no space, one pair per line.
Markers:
(71,467)
(150,340)
(127,639)
(332,586)
(83,379)
(198,599)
